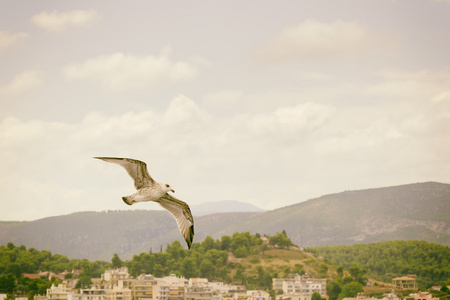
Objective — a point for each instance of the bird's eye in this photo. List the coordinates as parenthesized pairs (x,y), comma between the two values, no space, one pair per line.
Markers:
(167,185)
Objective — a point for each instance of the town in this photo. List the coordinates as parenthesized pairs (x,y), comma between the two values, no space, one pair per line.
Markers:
(118,284)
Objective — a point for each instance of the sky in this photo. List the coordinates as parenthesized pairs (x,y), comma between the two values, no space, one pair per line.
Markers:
(266,102)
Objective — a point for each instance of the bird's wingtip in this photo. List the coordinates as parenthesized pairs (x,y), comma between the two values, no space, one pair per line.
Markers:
(190,238)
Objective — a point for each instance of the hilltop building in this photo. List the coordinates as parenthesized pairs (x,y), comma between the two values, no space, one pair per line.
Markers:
(405,282)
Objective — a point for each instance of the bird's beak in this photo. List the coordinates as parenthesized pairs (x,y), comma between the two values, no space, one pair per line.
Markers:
(173,191)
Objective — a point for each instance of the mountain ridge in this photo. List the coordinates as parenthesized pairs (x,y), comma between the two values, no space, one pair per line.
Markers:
(419,211)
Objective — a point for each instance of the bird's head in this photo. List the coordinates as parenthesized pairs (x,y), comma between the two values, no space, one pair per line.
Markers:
(166,188)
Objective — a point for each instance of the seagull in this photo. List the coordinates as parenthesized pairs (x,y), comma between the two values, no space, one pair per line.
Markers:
(150,190)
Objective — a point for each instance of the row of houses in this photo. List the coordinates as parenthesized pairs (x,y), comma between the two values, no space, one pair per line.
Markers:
(118,285)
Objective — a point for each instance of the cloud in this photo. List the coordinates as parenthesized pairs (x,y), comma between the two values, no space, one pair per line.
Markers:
(23,82)
(411,85)
(182,144)
(442,97)
(121,71)
(223,99)
(265,158)
(8,39)
(288,123)
(59,21)
(314,39)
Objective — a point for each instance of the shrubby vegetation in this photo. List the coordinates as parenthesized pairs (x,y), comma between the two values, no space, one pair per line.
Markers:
(280,240)
(207,259)
(16,261)
(347,286)
(386,260)
(210,259)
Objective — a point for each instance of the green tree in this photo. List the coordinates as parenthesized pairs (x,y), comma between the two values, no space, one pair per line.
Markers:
(8,283)
(208,243)
(347,280)
(84,281)
(316,296)
(351,290)
(340,271)
(240,274)
(176,250)
(280,240)
(333,289)
(226,242)
(224,274)
(263,248)
(323,269)
(206,268)
(158,270)
(189,267)
(116,261)
(358,274)
(240,240)
(241,252)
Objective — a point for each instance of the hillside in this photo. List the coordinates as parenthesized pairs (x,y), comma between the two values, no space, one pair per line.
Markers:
(241,258)
(386,260)
(409,212)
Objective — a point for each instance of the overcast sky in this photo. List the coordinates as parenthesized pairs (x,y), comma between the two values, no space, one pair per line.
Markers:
(266,102)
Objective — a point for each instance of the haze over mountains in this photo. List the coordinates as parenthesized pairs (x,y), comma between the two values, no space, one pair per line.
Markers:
(418,211)
(225,206)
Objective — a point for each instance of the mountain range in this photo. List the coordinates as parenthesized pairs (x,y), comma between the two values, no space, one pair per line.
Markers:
(419,211)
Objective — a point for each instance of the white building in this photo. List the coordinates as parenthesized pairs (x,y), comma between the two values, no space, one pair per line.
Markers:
(118,292)
(114,276)
(258,295)
(60,292)
(420,296)
(143,287)
(90,294)
(301,286)
(390,296)
(198,282)
(171,288)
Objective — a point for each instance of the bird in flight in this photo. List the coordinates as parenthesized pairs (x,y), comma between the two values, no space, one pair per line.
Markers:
(150,190)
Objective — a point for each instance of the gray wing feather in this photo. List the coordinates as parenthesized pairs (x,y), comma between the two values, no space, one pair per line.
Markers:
(182,214)
(136,169)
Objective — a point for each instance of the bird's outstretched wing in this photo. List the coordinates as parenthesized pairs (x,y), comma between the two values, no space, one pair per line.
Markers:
(182,214)
(136,169)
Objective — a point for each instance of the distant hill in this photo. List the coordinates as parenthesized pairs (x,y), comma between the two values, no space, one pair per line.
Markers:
(225,206)
(408,212)
(418,211)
